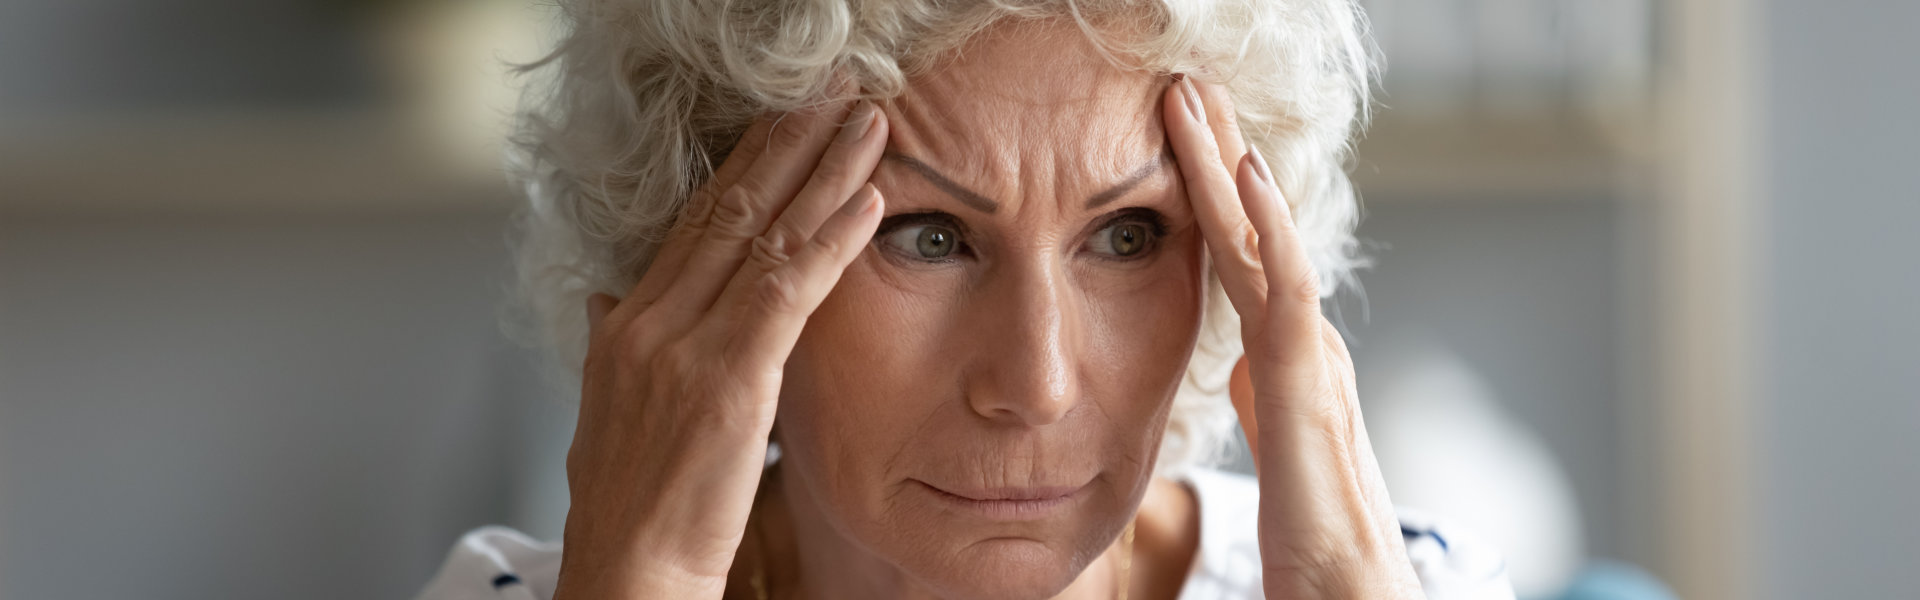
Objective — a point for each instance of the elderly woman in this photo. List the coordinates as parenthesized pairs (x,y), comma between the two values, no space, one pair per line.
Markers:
(974,293)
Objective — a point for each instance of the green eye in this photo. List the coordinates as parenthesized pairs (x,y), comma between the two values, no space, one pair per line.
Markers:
(1129,239)
(934,242)
(924,241)
(1124,239)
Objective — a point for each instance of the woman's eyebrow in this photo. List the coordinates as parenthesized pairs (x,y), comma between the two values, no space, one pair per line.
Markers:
(959,192)
(1140,173)
(983,204)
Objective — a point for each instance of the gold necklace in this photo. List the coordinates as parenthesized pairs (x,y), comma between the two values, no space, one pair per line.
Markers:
(759,578)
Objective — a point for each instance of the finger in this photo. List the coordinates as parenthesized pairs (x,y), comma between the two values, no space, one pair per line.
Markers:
(1231,241)
(746,152)
(784,297)
(1293,316)
(1223,120)
(744,210)
(692,222)
(845,168)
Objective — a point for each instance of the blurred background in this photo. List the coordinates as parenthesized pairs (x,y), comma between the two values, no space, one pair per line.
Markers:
(1644,313)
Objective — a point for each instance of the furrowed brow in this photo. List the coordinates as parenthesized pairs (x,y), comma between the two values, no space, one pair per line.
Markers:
(986,205)
(1139,174)
(959,192)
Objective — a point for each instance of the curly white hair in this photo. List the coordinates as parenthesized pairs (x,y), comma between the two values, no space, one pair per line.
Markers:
(643,98)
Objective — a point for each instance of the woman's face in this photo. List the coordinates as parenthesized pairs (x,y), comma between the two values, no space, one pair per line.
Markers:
(981,399)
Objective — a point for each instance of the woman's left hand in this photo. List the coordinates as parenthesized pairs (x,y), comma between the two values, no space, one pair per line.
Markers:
(1327,529)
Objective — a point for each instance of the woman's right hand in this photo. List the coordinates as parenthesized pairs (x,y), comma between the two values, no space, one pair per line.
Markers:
(682,376)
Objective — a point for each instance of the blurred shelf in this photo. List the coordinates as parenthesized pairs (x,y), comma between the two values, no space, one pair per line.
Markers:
(370,161)
(1429,159)
(298,162)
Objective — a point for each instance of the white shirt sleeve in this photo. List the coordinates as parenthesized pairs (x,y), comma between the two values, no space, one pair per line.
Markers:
(1451,563)
(496,563)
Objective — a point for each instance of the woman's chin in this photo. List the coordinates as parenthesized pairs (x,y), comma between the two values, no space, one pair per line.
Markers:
(1004,568)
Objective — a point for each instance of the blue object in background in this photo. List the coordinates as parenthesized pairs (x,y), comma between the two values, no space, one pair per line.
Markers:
(1613,580)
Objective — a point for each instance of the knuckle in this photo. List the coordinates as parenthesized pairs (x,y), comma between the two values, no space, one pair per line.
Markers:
(832,245)
(1307,289)
(785,240)
(735,213)
(672,362)
(774,248)
(700,204)
(778,292)
(1221,113)
(608,345)
(626,333)
(644,332)
(688,228)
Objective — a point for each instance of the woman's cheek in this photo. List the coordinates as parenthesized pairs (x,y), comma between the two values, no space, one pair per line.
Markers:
(860,370)
(1145,323)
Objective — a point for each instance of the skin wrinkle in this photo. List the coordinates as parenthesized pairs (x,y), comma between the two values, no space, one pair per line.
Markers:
(1150,168)
(983,204)
(969,197)
(1028,361)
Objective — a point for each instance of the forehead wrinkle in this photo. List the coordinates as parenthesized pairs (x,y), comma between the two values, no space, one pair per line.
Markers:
(952,188)
(1003,130)
(943,147)
(1149,168)
(1105,156)
(1085,172)
(937,129)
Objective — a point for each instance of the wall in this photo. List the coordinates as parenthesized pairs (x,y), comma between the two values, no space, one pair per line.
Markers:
(259,407)
(1524,292)
(1838,400)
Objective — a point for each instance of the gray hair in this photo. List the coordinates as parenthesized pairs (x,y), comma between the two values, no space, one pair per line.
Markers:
(643,98)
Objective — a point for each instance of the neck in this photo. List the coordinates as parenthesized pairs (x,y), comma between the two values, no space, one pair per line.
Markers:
(805,558)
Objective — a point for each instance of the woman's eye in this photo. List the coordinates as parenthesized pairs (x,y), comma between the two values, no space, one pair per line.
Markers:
(925,242)
(1123,239)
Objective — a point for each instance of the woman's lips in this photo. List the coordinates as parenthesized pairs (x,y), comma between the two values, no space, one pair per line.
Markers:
(1007,503)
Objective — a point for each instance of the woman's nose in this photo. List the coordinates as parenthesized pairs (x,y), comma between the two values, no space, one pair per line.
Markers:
(1025,353)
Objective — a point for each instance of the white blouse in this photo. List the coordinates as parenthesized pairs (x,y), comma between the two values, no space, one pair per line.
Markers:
(497,563)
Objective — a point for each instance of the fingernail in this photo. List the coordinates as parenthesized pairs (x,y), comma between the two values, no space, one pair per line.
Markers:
(1260,165)
(1179,76)
(858,122)
(1192,96)
(861,201)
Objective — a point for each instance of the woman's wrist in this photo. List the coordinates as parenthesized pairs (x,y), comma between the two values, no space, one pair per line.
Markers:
(1369,584)
(587,575)
(664,550)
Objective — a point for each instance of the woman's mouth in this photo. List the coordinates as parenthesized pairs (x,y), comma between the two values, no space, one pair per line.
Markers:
(1008,503)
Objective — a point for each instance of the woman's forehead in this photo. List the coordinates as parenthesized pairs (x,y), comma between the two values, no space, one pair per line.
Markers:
(1048,102)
